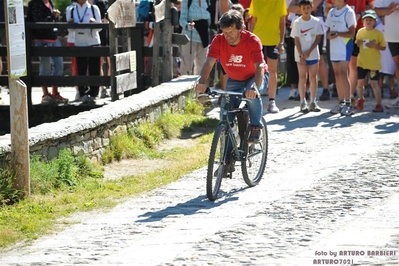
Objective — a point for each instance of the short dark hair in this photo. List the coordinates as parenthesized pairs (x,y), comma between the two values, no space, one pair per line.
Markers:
(230,18)
(305,3)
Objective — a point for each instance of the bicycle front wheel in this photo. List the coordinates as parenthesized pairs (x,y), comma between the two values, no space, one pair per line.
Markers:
(256,156)
(216,163)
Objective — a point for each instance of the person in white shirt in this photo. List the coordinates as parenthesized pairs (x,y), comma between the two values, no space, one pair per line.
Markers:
(390,9)
(307,32)
(84,12)
(341,23)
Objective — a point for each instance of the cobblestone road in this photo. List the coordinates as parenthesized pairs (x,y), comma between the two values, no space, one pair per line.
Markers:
(329,196)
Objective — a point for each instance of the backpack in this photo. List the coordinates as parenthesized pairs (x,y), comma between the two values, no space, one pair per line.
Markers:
(144,11)
(211,9)
(92,10)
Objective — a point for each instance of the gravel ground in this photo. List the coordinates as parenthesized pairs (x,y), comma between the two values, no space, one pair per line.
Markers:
(329,196)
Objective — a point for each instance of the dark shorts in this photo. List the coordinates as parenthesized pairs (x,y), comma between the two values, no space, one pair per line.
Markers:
(394,48)
(268,52)
(355,51)
(362,73)
(311,62)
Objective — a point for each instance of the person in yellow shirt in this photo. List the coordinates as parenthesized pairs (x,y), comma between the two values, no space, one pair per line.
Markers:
(268,23)
(370,41)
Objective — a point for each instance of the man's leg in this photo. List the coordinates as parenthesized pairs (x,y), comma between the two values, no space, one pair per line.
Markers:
(272,66)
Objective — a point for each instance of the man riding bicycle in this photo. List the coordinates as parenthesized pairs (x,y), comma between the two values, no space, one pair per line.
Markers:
(240,54)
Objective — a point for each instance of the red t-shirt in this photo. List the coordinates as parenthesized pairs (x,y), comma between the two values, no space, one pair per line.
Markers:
(359,7)
(238,61)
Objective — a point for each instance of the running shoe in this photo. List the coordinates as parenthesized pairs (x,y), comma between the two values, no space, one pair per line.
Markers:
(314,107)
(393,105)
(293,94)
(60,99)
(103,93)
(47,99)
(272,108)
(378,108)
(255,134)
(337,109)
(360,104)
(303,107)
(347,110)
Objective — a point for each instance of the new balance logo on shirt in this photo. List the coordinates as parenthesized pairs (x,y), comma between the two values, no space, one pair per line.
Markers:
(235,61)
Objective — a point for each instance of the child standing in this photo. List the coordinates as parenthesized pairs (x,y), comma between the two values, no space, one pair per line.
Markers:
(370,41)
(341,23)
(307,32)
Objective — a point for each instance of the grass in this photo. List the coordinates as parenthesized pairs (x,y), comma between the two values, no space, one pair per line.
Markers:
(68,185)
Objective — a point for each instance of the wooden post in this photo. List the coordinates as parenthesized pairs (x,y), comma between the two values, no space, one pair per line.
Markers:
(113,47)
(155,53)
(19,135)
(167,55)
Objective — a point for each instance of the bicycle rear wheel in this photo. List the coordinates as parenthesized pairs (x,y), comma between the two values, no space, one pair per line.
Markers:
(216,162)
(255,163)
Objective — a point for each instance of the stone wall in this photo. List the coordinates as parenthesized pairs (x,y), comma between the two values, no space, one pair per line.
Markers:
(90,132)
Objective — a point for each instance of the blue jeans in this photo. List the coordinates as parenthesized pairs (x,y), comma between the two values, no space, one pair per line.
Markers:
(56,62)
(255,106)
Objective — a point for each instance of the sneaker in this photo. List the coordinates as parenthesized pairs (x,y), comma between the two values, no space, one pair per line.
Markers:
(378,109)
(228,167)
(325,96)
(87,99)
(303,107)
(272,108)
(393,105)
(47,99)
(103,93)
(393,94)
(77,97)
(337,109)
(314,107)
(255,134)
(347,110)
(360,104)
(60,99)
(293,94)
(334,92)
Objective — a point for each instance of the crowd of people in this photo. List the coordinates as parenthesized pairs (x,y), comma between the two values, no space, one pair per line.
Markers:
(80,11)
(360,38)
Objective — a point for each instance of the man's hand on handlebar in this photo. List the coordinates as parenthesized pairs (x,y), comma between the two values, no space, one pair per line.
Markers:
(201,88)
(251,94)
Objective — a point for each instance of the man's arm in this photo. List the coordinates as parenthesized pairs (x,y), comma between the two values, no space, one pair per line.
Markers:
(259,73)
(205,71)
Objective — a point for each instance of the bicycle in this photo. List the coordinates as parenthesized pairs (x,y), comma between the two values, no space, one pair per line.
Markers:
(253,156)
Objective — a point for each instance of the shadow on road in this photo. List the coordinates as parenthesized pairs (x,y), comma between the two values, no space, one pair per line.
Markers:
(190,207)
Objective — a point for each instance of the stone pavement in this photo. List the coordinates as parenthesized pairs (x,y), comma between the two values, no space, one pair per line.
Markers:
(329,195)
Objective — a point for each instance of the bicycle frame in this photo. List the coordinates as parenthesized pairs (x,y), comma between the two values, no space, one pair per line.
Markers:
(239,153)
